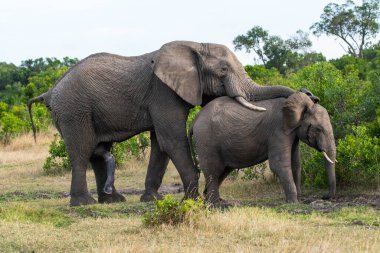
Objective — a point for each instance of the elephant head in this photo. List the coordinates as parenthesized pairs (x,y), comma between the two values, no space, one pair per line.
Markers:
(195,69)
(311,123)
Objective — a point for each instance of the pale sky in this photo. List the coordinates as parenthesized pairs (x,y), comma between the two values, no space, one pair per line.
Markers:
(77,28)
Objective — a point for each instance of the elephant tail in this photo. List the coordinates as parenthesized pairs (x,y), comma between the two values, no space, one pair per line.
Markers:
(192,148)
(42,97)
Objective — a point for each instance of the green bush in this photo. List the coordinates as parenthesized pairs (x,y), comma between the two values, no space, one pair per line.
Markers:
(358,156)
(58,161)
(173,212)
(255,172)
(10,126)
(312,164)
(349,100)
(135,146)
(264,76)
(250,173)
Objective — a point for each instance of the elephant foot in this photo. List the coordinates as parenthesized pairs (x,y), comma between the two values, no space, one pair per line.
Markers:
(151,196)
(82,199)
(191,194)
(292,199)
(114,197)
(221,204)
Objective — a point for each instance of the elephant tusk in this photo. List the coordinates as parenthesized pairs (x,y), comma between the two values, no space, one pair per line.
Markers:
(327,157)
(245,103)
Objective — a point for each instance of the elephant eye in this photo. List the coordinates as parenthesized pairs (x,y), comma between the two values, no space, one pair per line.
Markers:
(224,69)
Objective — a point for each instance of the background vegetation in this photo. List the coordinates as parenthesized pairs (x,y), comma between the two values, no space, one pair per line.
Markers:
(34,211)
(349,88)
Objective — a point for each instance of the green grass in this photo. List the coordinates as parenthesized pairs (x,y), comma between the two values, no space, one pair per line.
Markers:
(22,212)
(35,216)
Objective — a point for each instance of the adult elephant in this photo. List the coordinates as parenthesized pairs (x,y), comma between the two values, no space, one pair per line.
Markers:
(107,98)
(228,136)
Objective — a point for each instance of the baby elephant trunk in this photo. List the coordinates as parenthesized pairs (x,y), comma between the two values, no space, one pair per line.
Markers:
(330,156)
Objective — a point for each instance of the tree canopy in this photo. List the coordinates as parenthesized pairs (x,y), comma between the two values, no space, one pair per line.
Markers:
(274,52)
(354,25)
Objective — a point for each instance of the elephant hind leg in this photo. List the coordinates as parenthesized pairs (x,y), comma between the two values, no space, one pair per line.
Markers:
(80,143)
(103,164)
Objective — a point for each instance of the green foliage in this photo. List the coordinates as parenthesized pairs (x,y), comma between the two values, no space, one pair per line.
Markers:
(9,73)
(255,172)
(349,100)
(274,52)
(358,156)
(10,126)
(192,115)
(58,161)
(354,24)
(312,164)
(264,76)
(173,212)
(135,146)
(18,85)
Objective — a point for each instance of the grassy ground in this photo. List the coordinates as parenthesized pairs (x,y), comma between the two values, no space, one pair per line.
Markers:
(35,216)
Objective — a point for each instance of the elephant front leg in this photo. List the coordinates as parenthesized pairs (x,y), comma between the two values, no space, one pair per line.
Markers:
(212,190)
(280,163)
(158,163)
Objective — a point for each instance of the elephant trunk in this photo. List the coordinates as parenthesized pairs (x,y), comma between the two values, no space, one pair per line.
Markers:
(330,170)
(244,89)
(258,92)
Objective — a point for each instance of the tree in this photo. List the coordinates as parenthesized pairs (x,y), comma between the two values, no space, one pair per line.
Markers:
(354,25)
(254,40)
(9,74)
(274,52)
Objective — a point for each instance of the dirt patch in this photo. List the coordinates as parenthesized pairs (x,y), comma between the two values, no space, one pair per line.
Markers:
(340,201)
(311,202)
(24,196)
(164,190)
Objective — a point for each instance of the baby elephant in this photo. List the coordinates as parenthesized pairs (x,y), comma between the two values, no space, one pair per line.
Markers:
(228,136)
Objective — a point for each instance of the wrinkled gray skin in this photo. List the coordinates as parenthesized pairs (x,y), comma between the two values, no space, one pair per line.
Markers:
(228,136)
(107,98)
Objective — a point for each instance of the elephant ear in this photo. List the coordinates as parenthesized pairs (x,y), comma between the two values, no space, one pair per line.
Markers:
(294,109)
(176,64)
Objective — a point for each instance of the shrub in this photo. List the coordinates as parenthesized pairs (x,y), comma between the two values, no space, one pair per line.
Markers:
(349,100)
(58,161)
(312,164)
(358,156)
(10,126)
(255,172)
(172,212)
(135,146)
(250,173)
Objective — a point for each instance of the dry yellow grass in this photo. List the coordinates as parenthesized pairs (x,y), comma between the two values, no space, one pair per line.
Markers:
(239,230)
(28,225)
